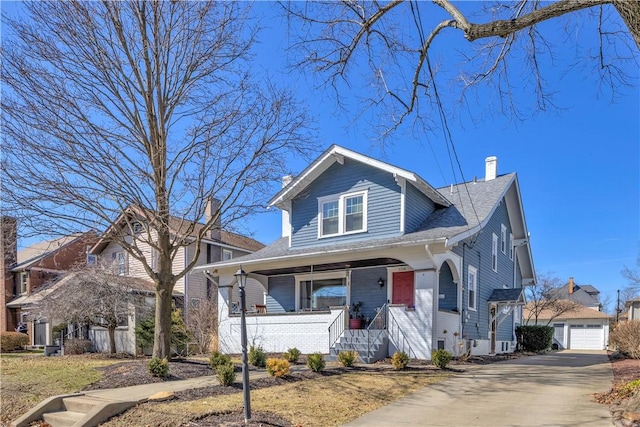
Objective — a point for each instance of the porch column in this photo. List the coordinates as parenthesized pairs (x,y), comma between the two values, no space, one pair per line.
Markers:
(426,296)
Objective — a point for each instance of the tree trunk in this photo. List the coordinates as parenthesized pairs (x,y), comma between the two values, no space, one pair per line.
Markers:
(112,339)
(162,331)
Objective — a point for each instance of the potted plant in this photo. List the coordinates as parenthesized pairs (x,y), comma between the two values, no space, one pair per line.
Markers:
(355,318)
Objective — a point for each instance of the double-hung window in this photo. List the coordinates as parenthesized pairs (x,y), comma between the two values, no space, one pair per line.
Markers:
(503,239)
(342,214)
(22,282)
(119,263)
(472,287)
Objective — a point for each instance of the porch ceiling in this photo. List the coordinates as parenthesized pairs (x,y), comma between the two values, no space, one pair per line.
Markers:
(299,269)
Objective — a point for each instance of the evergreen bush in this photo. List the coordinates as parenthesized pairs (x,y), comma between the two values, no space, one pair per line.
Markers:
(400,360)
(218,359)
(347,358)
(226,374)
(257,357)
(316,362)
(441,358)
(292,355)
(534,338)
(159,367)
(278,367)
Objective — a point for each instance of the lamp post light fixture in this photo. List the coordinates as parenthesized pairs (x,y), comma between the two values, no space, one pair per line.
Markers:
(241,277)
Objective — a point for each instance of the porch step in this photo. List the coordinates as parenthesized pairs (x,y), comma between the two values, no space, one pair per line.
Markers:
(371,345)
(62,418)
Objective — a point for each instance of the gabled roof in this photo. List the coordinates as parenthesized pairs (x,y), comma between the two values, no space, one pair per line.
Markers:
(35,253)
(463,211)
(178,225)
(335,154)
(582,294)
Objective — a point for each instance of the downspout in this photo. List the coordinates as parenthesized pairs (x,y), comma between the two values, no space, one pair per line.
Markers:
(186,285)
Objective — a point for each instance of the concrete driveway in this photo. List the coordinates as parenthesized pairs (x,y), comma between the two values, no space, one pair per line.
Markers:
(550,390)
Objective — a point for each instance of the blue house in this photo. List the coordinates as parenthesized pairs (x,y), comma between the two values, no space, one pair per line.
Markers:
(373,258)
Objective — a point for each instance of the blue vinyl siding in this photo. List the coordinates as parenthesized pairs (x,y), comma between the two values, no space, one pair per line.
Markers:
(282,294)
(418,207)
(479,255)
(383,204)
(365,289)
(448,289)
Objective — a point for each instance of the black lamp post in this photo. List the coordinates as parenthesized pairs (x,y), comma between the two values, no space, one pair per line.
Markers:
(241,277)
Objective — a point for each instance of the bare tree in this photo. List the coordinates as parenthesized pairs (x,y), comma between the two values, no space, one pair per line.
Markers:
(93,295)
(633,275)
(202,324)
(543,298)
(142,108)
(391,49)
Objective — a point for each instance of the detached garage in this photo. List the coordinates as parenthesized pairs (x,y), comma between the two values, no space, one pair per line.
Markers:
(581,329)
(587,336)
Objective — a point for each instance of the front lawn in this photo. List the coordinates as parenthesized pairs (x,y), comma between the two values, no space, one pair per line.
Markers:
(27,379)
(325,401)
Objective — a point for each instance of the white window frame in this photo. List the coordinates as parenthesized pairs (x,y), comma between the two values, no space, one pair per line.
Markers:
(22,278)
(494,253)
(511,247)
(120,263)
(472,286)
(503,239)
(320,276)
(341,199)
(226,252)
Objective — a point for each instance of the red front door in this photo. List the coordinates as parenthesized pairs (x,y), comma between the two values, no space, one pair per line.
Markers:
(403,288)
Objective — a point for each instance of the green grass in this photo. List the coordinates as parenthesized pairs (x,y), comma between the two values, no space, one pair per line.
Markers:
(26,379)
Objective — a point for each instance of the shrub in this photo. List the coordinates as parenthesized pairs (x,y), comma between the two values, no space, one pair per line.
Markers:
(218,359)
(534,337)
(159,367)
(626,338)
(257,357)
(144,333)
(347,358)
(60,327)
(440,358)
(292,355)
(278,367)
(226,374)
(10,341)
(399,360)
(76,346)
(316,362)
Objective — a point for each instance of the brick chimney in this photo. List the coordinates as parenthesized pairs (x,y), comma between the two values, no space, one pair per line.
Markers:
(571,285)
(491,168)
(213,208)
(9,245)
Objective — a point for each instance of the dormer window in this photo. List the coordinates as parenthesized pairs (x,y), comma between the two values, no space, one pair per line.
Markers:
(342,214)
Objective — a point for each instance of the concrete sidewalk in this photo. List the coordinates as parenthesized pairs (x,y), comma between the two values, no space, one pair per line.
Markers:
(140,393)
(548,390)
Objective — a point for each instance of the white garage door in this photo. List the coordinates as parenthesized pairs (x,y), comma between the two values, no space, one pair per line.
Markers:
(586,337)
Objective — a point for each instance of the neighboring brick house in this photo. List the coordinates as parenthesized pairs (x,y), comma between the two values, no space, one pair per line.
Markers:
(26,270)
(427,268)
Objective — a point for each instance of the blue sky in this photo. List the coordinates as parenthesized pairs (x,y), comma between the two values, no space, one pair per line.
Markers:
(578,165)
